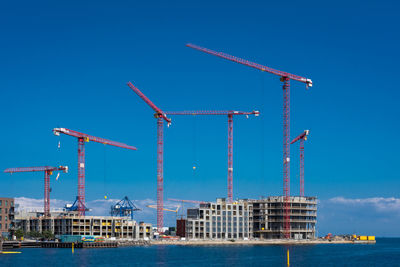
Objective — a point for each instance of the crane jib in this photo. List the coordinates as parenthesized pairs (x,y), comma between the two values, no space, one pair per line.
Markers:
(248,63)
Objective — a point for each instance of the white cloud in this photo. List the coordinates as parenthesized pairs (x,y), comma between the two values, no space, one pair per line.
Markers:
(102,207)
(365,216)
(32,204)
(378,203)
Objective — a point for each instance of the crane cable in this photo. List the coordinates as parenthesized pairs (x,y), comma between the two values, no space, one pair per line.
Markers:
(194,145)
(104,173)
(262,120)
(59,155)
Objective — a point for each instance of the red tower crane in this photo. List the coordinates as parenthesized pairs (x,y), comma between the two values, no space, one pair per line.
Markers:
(230,114)
(285,77)
(302,137)
(160,116)
(82,138)
(48,171)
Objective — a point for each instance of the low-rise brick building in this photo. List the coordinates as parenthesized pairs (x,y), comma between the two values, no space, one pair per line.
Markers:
(6,216)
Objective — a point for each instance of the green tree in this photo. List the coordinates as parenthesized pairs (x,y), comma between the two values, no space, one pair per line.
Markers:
(47,234)
(19,233)
(34,234)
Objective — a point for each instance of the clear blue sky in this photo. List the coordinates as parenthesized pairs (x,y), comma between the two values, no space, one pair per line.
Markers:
(65,64)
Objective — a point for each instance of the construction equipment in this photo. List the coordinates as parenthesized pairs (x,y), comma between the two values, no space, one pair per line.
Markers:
(230,114)
(302,137)
(124,208)
(48,171)
(160,116)
(188,201)
(182,215)
(156,207)
(285,77)
(82,138)
(75,206)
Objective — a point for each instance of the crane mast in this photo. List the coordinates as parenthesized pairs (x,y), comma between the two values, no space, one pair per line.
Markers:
(161,117)
(301,138)
(285,78)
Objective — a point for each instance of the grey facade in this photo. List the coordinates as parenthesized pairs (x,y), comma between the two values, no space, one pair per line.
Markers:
(220,220)
(247,219)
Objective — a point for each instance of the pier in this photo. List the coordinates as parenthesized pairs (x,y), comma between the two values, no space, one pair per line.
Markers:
(79,245)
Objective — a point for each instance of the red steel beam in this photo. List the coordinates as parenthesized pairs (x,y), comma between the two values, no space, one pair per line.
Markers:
(158,111)
(213,112)
(87,138)
(230,158)
(248,63)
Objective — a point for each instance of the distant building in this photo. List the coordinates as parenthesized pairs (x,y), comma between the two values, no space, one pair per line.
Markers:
(220,220)
(6,216)
(241,219)
(70,223)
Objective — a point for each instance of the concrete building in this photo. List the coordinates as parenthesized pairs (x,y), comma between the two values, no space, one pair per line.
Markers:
(220,220)
(181,227)
(6,216)
(261,219)
(70,223)
(268,215)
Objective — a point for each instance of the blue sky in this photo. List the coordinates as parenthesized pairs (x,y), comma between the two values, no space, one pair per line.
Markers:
(67,64)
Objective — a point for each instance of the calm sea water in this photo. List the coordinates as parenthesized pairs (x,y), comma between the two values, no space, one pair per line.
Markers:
(386,252)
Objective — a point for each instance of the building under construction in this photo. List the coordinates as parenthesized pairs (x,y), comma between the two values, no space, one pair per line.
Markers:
(70,223)
(268,217)
(247,219)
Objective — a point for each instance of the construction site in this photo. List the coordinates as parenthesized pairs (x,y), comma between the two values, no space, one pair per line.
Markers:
(72,224)
(290,216)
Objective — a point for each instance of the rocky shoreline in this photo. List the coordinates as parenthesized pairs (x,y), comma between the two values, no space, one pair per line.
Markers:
(255,242)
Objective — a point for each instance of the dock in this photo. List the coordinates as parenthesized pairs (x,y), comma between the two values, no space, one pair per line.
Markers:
(7,245)
(79,245)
